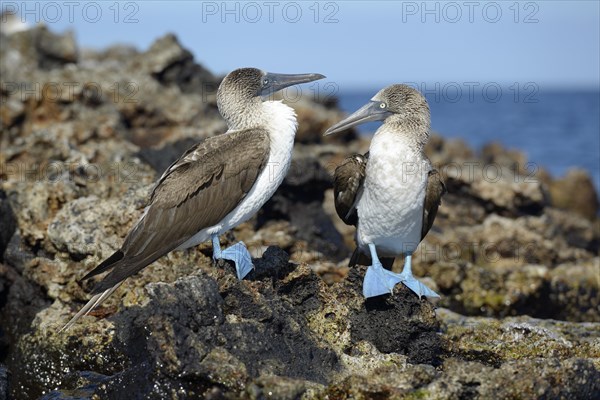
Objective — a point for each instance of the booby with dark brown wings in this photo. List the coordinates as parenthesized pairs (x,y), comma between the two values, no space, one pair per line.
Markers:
(216,185)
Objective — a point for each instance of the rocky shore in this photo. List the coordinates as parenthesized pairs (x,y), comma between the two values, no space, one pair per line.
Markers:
(84,134)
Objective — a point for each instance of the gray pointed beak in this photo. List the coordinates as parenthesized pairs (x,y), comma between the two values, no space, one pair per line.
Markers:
(281,81)
(369,112)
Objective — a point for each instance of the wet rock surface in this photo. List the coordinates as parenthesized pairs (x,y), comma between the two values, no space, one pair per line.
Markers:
(512,252)
(7,222)
(3,382)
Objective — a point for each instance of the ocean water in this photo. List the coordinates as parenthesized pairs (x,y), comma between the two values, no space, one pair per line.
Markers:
(557,130)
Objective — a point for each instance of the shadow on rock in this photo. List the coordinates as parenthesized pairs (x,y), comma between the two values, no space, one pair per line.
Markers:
(398,323)
(8,223)
(205,339)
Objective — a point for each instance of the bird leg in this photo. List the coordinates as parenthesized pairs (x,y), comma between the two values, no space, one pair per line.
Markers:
(412,283)
(238,253)
(378,280)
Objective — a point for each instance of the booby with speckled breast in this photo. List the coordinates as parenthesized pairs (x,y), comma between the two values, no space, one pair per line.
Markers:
(392,193)
(215,185)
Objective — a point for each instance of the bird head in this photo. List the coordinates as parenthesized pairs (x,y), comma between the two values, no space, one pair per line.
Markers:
(245,88)
(253,83)
(394,104)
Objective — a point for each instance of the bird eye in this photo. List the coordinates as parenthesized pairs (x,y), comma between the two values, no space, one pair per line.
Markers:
(265,82)
(382,105)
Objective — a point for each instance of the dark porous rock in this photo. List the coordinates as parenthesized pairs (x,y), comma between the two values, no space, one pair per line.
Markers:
(91,222)
(499,181)
(273,263)
(541,353)
(574,292)
(275,387)
(568,379)
(314,119)
(536,265)
(161,158)
(576,192)
(299,199)
(444,152)
(575,230)
(85,384)
(20,306)
(56,50)
(39,47)
(5,282)
(117,55)
(494,341)
(54,360)
(485,358)
(375,322)
(388,382)
(8,223)
(11,112)
(495,153)
(169,63)
(190,336)
(3,382)
(501,191)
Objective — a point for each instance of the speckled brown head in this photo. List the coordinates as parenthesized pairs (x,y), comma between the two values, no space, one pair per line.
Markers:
(400,107)
(243,90)
(245,83)
(402,101)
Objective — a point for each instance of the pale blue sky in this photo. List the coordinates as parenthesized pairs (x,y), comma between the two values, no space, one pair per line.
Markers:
(371,44)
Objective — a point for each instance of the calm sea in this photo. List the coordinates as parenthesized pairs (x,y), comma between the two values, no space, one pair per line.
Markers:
(557,130)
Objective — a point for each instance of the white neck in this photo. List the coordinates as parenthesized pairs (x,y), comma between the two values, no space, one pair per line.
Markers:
(257,114)
(278,118)
(280,121)
(389,141)
(397,154)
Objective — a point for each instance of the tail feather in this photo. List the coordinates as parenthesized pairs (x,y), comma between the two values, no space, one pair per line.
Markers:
(359,258)
(94,302)
(105,265)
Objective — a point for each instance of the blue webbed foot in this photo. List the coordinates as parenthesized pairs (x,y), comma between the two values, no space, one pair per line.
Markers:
(379,280)
(238,253)
(412,283)
(419,288)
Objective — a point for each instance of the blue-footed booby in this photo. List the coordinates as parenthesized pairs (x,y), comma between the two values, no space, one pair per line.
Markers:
(392,193)
(215,185)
